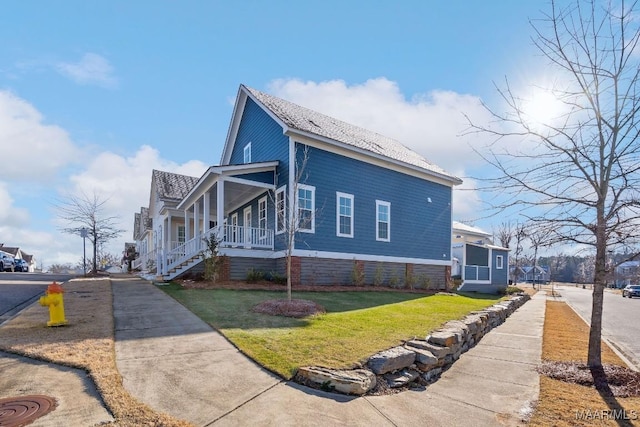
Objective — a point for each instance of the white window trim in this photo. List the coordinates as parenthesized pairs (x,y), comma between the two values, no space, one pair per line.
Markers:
(247,150)
(282,190)
(339,196)
(388,205)
(313,208)
(263,230)
(499,262)
(184,233)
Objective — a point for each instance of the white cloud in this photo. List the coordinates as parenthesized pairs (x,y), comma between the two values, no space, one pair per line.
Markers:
(126,183)
(429,123)
(10,216)
(91,69)
(45,148)
(29,186)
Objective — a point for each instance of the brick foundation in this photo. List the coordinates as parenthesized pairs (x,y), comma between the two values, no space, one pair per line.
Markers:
(296,271)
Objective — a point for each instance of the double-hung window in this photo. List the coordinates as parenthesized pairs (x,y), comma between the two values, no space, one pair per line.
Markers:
(247,153)
(280,205)
(181,234)
(499,262)
(306,208)
(383,221)
(344,214)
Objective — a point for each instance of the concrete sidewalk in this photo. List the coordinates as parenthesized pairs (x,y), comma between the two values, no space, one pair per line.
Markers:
(176,363)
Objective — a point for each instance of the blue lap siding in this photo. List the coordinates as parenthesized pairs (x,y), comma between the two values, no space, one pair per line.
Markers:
(418,228)
(267,140)
(500,276)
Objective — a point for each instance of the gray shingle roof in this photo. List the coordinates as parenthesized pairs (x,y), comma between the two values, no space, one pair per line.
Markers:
(172,186)
(309,121)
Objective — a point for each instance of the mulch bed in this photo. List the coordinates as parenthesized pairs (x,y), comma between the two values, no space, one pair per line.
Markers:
(270,286)
(297,308)
(613,380)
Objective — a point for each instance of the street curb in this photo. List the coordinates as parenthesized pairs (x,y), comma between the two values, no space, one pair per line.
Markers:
(610,343)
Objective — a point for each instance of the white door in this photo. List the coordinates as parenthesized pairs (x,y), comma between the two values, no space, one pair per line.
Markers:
(234,228)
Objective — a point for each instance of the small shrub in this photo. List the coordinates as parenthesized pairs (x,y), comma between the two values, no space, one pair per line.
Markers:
(424,281)
(378,277)
(277,278)
(510,290)
(394,280)
(212,260)
(254,275)
(410,281)
(357,276)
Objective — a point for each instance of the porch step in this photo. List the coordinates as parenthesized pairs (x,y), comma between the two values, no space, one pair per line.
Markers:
(183,267)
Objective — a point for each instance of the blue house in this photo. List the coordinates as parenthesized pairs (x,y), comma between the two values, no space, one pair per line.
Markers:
(344,199)
(481,265)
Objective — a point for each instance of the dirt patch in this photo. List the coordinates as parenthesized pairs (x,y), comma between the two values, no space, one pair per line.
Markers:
(614,380)
(563,402)
(86,343)
(297,308)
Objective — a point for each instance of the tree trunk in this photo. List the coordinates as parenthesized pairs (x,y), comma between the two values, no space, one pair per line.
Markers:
(594,356)
(289,277)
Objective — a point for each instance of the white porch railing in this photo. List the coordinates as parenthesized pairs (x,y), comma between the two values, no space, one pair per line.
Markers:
(228,236)
(476,272)
(145,262)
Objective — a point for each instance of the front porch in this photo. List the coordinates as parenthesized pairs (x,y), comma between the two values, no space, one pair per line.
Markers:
(230,204)
(191,253)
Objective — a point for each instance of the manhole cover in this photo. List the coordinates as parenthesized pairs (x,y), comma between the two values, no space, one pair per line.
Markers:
(20,411)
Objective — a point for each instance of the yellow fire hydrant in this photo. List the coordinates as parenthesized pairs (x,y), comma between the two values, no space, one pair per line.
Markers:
(53,299)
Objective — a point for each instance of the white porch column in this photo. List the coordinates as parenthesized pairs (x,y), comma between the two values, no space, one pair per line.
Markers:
(187,226)
(158,245)
(220,208)
(196,219)
(169,233)
(164,246)
(206,216)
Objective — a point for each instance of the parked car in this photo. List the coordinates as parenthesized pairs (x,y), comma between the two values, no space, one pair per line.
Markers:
(631,291)
(7,262)
(22,265)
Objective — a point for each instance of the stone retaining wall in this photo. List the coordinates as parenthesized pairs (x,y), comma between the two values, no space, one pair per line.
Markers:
(420,361)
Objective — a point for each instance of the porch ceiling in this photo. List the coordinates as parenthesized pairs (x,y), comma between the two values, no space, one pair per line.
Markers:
(236,187)
(235,195)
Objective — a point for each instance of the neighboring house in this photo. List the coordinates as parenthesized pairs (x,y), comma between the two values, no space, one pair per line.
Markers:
(17,253)
(627,273)
(527,273)
(361,203)
(482,266)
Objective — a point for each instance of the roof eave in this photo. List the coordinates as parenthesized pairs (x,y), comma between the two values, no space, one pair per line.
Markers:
(291,132)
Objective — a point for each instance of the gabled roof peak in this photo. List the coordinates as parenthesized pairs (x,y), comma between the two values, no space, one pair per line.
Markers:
(305,120)
(171,185)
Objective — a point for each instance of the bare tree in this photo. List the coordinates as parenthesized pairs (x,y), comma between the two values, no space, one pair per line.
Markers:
(578,169)
(292,217)
(87,212)
(520,234)
(504,234)
(539,237)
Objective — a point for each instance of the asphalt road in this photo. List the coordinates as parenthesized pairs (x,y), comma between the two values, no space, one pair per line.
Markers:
(620,318)
(18,290)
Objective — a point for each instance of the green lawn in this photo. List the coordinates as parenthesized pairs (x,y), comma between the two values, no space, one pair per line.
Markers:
(356,325)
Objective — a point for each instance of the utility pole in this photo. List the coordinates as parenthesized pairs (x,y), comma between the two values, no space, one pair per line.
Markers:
(83,233)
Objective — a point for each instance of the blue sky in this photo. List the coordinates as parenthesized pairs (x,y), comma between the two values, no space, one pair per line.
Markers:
(96,94)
